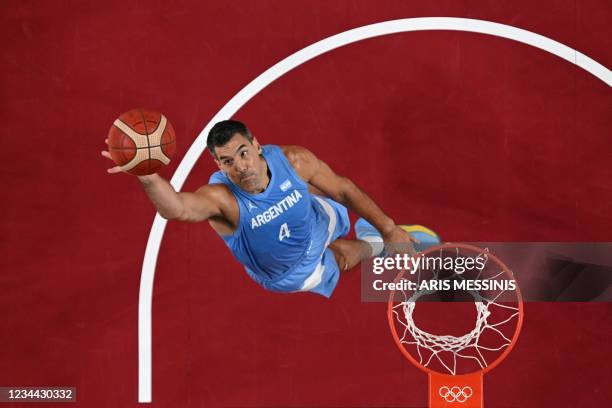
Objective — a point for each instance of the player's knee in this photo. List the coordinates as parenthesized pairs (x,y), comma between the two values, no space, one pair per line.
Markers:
(341,258)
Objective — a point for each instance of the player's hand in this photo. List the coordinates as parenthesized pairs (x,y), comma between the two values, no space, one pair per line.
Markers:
(117,169)
(398,241)
(112,170)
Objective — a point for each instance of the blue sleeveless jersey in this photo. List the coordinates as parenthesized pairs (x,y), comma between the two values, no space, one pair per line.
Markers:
(284,231)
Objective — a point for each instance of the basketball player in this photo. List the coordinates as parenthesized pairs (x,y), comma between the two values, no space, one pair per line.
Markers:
(282,212)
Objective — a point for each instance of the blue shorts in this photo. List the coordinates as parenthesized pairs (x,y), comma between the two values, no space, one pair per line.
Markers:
(318,272)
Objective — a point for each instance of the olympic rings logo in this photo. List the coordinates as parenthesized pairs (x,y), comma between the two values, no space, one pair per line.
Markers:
(455,393)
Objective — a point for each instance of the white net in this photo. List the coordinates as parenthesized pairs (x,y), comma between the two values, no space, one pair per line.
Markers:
(496,320)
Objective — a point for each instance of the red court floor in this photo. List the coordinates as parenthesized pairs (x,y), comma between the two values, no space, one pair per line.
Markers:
(478,137)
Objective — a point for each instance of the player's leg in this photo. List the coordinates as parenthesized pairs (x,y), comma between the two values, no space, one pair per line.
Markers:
(349,253)
(366,232)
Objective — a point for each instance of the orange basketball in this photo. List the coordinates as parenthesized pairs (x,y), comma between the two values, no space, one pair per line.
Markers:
(141,141)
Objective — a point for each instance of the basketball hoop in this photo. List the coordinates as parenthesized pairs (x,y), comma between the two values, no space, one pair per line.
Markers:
(457,360)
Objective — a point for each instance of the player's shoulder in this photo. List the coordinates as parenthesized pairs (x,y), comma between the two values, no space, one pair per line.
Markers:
(297,155)
(303,161)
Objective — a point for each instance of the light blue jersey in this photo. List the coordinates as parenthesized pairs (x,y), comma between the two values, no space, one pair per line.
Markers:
(284,232)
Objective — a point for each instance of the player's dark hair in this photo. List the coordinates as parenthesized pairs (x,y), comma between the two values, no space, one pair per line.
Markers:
(223,131)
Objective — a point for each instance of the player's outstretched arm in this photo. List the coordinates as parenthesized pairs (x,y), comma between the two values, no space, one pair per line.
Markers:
(341,189)
(184,206)
(192,207)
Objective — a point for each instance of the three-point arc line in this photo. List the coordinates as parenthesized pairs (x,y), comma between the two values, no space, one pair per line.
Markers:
(145,370)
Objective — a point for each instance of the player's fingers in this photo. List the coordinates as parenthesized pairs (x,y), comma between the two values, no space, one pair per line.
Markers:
(106,140)
(106,154)
(113,170)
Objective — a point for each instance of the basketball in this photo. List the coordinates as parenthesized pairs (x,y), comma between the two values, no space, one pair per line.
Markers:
(141,141)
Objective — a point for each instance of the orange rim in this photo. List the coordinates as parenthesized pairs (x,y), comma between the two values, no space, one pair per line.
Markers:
(517,330)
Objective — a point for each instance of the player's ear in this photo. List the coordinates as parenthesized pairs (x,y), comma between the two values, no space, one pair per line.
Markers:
(217,161)
(214,156)
(257,146)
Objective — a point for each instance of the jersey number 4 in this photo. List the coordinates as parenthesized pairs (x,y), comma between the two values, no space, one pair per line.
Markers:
(284,232)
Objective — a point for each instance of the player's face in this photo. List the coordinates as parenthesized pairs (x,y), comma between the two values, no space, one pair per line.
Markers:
(242,162)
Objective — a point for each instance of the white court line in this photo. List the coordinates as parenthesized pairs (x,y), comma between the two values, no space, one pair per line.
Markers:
(278,70)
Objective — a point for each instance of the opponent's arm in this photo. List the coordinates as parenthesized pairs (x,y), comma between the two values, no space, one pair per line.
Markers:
(343,190)
(192,207)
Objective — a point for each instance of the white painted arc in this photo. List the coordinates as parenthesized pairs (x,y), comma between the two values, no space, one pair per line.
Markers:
(281,68)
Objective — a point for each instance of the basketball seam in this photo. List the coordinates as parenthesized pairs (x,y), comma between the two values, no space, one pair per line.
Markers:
(128,136)
(144,122)
(132,148)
